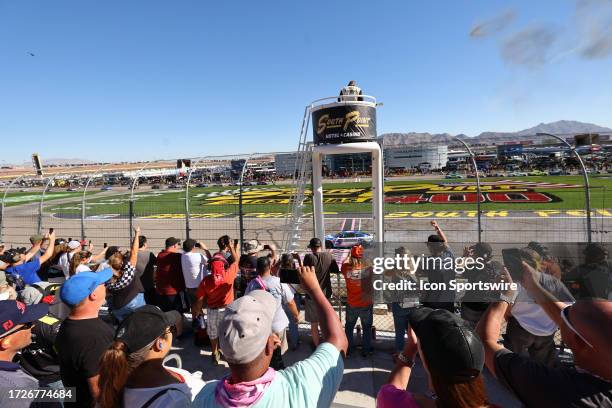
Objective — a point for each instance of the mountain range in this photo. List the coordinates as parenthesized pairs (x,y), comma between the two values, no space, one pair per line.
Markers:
(560,128)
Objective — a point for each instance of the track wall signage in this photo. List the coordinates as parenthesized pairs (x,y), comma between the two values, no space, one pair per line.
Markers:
(419,193)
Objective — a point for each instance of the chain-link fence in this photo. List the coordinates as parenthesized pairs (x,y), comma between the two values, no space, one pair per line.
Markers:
(239,196)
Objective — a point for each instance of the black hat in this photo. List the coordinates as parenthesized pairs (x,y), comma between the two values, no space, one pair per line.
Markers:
(482,249)
(172,241)
(143,326)
(452,350)
(315,243)
(538,247)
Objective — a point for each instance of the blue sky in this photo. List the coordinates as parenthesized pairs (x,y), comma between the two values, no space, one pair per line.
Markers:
(139,80)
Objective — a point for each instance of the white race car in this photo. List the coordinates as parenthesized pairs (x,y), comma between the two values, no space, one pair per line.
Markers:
(348,239)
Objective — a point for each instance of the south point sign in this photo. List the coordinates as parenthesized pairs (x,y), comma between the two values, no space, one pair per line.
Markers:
(344,123)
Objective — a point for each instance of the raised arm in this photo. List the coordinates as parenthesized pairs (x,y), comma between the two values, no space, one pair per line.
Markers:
(49,251)
(439,231)
(489,325)
(134,249)
(204,248)
(328,319)
(546,300)
(400,375)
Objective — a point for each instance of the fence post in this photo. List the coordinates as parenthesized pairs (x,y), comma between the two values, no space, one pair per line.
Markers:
(240,204)
(6,190)
(587,187)
(187,210)
(478,195)
(41,203)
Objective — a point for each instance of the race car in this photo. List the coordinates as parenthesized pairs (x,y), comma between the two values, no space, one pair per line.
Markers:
(348,239)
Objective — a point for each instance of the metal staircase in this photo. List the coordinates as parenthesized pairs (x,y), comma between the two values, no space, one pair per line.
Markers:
(292,231)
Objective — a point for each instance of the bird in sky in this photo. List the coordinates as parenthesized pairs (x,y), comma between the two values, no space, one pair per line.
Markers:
(31,54)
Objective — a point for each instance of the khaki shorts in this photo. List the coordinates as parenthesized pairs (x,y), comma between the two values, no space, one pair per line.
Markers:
(213,318)
(283,338)
(310,311)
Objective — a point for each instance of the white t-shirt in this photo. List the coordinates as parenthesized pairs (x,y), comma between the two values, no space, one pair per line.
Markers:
(177,396)
(194,268)
(82,268)
(530,315)
(64,263)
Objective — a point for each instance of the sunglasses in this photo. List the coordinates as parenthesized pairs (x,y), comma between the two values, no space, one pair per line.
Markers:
(565,318)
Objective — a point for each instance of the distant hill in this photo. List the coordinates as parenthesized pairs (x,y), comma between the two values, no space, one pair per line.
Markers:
(560,128)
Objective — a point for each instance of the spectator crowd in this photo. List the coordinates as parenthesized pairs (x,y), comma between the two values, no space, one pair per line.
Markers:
(102,322)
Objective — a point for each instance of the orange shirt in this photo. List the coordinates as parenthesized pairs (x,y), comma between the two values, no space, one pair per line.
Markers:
(358,290)
(219,295)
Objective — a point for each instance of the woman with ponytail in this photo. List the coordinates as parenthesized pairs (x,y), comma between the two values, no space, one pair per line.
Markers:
(79,261)
(131,370)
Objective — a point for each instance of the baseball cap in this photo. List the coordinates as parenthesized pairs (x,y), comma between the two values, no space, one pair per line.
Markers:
(74,244)
(357,252)
(538,247)
(143,326)
(172,241)
(482,249)
(81,285)
(246,325)
(315,243)
(594,250)
(36,238)
(252,246)
(451,349)
(13,313)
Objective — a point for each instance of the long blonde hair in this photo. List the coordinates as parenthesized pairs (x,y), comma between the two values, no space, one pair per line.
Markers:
(77,259)
(116,365)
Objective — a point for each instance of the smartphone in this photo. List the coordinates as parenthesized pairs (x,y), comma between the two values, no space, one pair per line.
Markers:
(235,242)
(289,276)
(105,245)
(90,242)
(512,261)
(267,247)
(50,230)
(198,245)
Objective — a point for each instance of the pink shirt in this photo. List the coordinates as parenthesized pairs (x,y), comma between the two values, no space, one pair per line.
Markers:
(391,397)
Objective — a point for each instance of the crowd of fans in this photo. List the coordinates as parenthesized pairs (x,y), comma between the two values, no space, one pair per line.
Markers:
(55,332)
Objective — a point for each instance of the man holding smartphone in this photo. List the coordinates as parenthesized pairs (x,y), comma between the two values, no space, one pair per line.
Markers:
(324,264)
(216,291)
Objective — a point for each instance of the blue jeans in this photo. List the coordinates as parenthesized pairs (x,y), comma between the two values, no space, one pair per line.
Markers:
(400,323)
(126,310)
(366,315)
(294,334)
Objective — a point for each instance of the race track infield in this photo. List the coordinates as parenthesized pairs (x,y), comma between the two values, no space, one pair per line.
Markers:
(512,194)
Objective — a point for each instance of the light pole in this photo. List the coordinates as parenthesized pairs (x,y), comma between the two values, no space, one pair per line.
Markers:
(587,189)
(478,195)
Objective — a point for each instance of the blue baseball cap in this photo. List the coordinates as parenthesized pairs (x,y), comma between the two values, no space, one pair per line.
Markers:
(81,285)
(14,313)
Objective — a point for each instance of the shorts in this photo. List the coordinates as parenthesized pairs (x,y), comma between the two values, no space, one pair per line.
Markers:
(176,302)
(191,295)
(283,338)
(310,310)
(213,318)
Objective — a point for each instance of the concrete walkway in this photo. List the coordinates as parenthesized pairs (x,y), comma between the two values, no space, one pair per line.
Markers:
(362,378)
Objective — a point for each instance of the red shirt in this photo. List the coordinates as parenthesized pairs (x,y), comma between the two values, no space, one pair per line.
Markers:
(169,276)
(220,294)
